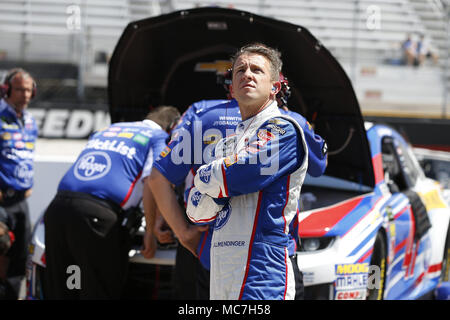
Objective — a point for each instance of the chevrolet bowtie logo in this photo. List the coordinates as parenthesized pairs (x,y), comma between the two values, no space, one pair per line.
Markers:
(218,66)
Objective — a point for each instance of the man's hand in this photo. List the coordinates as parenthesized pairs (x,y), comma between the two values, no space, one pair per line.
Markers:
(162,231)
(148,245)
(191,237)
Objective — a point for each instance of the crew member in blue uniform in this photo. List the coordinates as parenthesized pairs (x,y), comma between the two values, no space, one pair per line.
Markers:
(83,223)
(203,124)
(18,134)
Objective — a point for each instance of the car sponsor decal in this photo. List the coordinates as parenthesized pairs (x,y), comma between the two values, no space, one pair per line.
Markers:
(432,200)
(351,281)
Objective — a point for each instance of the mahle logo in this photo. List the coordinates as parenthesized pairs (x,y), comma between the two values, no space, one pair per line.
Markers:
(92,165)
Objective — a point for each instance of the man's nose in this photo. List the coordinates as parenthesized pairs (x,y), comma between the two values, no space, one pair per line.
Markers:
(248,73)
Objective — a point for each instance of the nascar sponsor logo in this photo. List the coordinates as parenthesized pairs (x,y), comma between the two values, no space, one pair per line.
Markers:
(352,268)
(351,276)
(24,174)
(351,295)
(223,216)
(112,145)
(127,135)
(93,165)
(109,134)
(230,160)
(265,135)
(227,121)
(141,139)
(277,129)
(165,152)
(205,174)
(195,198)
(15,154)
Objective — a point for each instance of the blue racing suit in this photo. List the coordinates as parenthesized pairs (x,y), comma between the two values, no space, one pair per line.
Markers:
(192,144)
(261,170)
(114,160)
(18,139)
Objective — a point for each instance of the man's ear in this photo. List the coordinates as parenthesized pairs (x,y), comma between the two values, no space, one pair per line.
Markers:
(276,87)
(231,90)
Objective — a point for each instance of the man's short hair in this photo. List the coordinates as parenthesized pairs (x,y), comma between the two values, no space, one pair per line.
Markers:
(14,73)
(271,54)
(165,116)
(5,240)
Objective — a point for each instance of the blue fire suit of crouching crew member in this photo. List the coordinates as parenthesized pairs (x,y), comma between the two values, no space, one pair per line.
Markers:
(83,222)
(17,137)
(193,140)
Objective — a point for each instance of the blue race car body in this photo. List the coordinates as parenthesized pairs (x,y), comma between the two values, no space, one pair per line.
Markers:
(389,242)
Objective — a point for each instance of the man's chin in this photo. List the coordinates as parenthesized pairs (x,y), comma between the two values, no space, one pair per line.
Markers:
(21,108)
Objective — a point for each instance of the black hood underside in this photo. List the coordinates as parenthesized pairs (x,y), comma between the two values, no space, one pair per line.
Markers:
(174,59)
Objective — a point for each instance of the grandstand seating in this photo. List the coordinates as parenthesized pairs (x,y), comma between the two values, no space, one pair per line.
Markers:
(48,30)
(334,24)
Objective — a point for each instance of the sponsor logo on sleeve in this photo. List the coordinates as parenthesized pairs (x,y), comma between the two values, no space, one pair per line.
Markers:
(205,174)
(165,152)
(265,135)
(277,129)
(230,160)
(195,198)
(223,216)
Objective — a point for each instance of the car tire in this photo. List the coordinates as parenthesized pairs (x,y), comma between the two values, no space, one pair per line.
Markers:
(379,256)
(445,273)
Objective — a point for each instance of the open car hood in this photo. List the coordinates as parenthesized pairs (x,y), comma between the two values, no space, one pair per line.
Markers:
(174,59)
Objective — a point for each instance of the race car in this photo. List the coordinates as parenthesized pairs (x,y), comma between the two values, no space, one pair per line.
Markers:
(373,227)
(387,242)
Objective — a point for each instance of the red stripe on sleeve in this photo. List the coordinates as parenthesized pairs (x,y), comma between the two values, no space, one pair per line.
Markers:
(224,177)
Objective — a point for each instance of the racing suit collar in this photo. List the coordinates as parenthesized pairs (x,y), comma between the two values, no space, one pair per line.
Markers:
(253,121)
(152,124)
